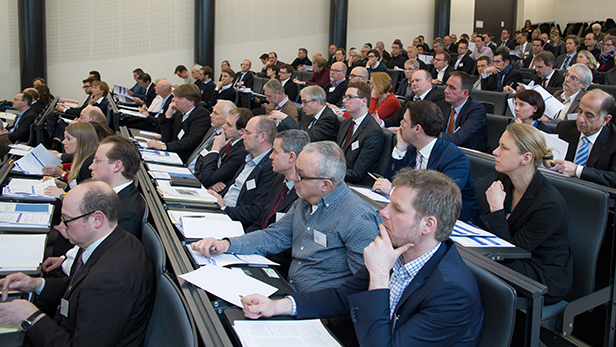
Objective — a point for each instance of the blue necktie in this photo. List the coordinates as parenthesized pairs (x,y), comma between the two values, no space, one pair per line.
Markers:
(418,161)
(582,154)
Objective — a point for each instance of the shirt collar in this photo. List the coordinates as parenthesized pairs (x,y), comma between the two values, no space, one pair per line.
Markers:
(316,116)
(334,195)
(226,87)
(412,268)
(592,138)
(284,101)
(100,100)
(422,96)
(338,82)
(257,160)
(119,188)
(359,120)
(427,149)
(22,112)
(460,106)
(91,248)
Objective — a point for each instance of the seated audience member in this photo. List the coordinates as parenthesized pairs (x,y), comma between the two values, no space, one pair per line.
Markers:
(318,120)
(272,71)
(448,44)
(354,60)
(482,64)
(291,89)
(529,108)
(342,224)
(599,34)
(224,88)
(302,59)
(185,123)
(380,46)
(418,146)
(590,44)
(465,117)
(278,100)
(95,75)
(412,53)
(38,81)
(150,90)
(217,168)
(88,114)
(439,305)
(487,41)
(217,120)
(442,68)
(98,97)
(374,63)
(526,210)
(273,59)
(610,77)
(410,66)
(438,46)
(382,101)
(555,45)
(45,96)
(545,74)
(505,41)
(523,49)
(137,90)
(398,55)
(108,299)
(577,80)
(20,130)
(464,62)
(264,59)
(152,121)
(422,89)
(182,72)
(320,76)
(569,57)
(337,84)
(243,199)
(340,56)
(194,72)
(586,58)
(359,74)
(481,50)
(36,105)
(501,74)
(74,112)
(360,136)
(529,62)
(592,140)
(244,78)
(207,85)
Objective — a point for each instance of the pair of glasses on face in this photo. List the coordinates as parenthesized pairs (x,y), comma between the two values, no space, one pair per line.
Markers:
(302,178)
(66,221)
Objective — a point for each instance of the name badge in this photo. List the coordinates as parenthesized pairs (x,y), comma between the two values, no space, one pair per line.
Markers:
(250,185)
(204,152)
(354,145)
(279,216)
(320,238)
(331,89)
(461,64)
(64,307)
(181,134)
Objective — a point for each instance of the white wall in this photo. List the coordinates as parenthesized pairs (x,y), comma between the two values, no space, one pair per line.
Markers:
(462,17)
(9,56)
(565,11)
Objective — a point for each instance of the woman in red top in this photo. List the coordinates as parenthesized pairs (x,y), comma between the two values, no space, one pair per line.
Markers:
(383,101)
(320,77)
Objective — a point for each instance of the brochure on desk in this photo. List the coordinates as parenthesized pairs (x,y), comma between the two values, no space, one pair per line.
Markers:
(25,217)
(27,189)
(21,253)
(161,157)
(184,194)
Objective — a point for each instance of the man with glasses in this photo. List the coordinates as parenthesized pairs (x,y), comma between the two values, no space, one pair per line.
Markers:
(20,130)
(327,228)
(359,74)
(337,83)
(291,89)
(397,55)
(374,64)
(410,66)
(442,69)
(318,120)
(577,79)
(87,88)
(464,62)
(501,74)
(109,297)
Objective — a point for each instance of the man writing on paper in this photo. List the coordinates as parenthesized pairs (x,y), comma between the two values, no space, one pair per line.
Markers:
(415,288)
(109,297)
(327,228)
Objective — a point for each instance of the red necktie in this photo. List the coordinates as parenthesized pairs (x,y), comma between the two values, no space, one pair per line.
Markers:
(348,137)
(452,118)
(283,194)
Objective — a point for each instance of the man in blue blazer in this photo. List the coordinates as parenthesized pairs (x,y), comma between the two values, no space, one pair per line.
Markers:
(224,88)
(469,126)
(419,147)
(415,288)
(244,199)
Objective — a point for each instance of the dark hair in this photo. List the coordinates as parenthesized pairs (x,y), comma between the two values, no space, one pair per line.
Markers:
(27,97)
(180,68)
(426,114)
(446,55)
(88,80)
(274,67)
(480,37)
(207,71)
(264,56)
(145,78)
(538,39)
(304,50)
(375,52)
(363,90)
(126,152)
(33,92)
(243,116)
(534,99)
(43,92)
(505,56)
(100,197)
(293,140)
(102,130)
(486,58)
(287,67)
(274,53)
(547,57)
(230,72)
(138,71)
(97,75)
(38,79)
(267,126)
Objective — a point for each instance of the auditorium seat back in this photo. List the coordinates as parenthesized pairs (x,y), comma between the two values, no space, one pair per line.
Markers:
(499,99)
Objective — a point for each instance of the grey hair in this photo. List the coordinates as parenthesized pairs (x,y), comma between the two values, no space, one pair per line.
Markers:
(227,105)
(332,164)
(586,74)
(274,85)
(293,140)
(314,92)
(412,62)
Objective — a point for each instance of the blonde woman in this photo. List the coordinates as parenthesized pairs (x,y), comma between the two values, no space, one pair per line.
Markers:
(586,58)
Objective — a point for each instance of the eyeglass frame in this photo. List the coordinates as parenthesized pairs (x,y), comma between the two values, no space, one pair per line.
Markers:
(66,221)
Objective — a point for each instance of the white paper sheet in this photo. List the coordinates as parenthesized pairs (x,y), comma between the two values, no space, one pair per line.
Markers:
(201,227)
(230,259)
(21,252)
(169,169)
(283,333)
(39,157)
(367,192)
(481,241)
(559,147)
(464,229)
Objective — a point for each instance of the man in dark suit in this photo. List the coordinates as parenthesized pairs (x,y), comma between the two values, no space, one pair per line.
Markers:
(422,89)
(442,69)
(545,74)
(505,40)
(412,53)
(207,85)
(245,197)
(528,63)
(410,66)
(464,62)
(440,305)
(216,168)
(465,117)
(610,77)
(567,59)
(109,297)
(152,121)
(217,120)
(337,83)
(398,55)
(74,112)
(501,74)
(20,130)
(224,88)
(419,147)
(374,64)
(150,93)
(185,123)
(592,140)
(244,78)
(301,60)
(360,136)
(318,120)
(291,89)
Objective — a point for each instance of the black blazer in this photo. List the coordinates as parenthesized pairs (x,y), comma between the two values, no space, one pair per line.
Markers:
(132,208)
(539,224)
(363,152)
(561,58)
(471,126)
(601,165)
(491,83)
(404,84)
(448,71)
(325,129)
(206,93)
(194,128)
(272,199)
(335,97)
(249,79)
(529,59)
(227,94)
(250,203)
(74,112)
(434,95)
(291,89)
(103,105)
(510,43)
(398,61)
(610,77)
(84,171)
(467,64)
(22,132)
(556,81)
(150,95)
(208,171)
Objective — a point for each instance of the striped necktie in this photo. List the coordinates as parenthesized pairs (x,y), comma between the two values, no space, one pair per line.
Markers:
(418,161)
(581,157)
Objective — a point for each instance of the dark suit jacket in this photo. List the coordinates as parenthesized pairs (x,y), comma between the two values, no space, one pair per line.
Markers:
(471,126)
(448,71)
(441,306)
(195,127)
(250,203)
(610,77)
(109,303)
(150,94)
(539,224)
(556,50)
(434,95)
(398,60)
(335,96)
(529,59)
(249,79)
(601,165)
(451,161)
(74,112)
(272,199)
(38,106)
(227,94)
(404,84)
(208,171)
(132,208)
(556,81)
(382,67)
(561,58)
(84,171)
(510,43)
(22,132)
(206,93)
(103,106)
(291,89)
(363,151)
(467,64)
(325,129)
(491,83)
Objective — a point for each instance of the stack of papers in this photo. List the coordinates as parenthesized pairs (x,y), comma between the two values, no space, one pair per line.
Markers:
(20,216)
(20,149)
(122,94)
(300,332)
(162,157)
(552,105)
(164,172)
(21,252)
(372,195)
(230,259)
(198,227)
(470,236)
(176,217)
(184,194)
(68,103)
(21,188)
(33,162)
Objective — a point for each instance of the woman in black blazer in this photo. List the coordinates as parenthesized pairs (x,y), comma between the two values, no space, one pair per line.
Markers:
(529,108)
(526,210)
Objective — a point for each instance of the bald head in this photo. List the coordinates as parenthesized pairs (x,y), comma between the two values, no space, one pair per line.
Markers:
(92,114)
(337,72)
(358,74)
(316,54)
(163,88)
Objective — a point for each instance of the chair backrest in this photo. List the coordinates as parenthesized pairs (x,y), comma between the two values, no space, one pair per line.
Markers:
(388,146)
(605,88)
(496,127)
(395,78)
(498,300)
(296,74)
(527,73)
(170,323)
(482,168)
(258,84)
(488,106)
(499,99)
(153,247)
(306,75)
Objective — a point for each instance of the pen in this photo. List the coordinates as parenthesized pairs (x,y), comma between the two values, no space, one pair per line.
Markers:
(373,176)
(246,301)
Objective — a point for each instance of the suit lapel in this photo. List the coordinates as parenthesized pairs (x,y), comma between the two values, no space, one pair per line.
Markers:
(435,155)
(526,199)
(599,147)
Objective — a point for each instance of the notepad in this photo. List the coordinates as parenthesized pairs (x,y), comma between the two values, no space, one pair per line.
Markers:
(230,259)
(21,188)
(21,252)
(367,192)
(296,332)
(161,157)
(202,227)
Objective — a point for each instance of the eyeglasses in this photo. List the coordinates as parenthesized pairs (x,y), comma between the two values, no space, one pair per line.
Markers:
(371,56)
(304,102)
(84,87)
(354,76)
(98,161)
(66,221)
(336,70)
(301,178)
(573,78)
(498,61)
(348,97)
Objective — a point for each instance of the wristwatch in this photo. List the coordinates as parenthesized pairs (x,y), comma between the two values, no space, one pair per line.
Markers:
(25,325)
(164,146)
